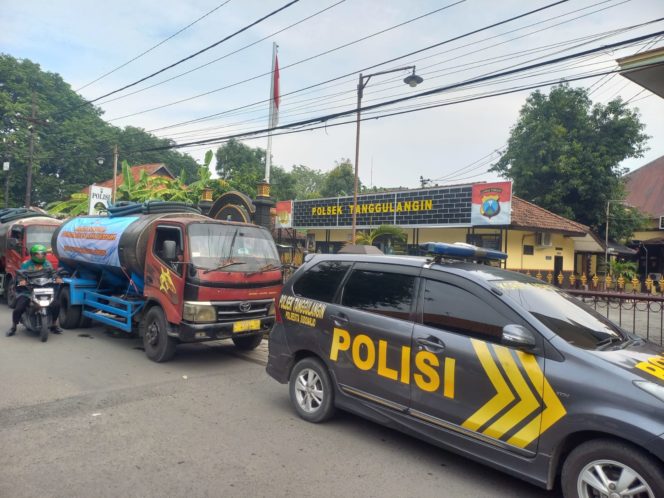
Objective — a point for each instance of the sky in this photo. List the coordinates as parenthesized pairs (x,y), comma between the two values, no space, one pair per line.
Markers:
(456,143)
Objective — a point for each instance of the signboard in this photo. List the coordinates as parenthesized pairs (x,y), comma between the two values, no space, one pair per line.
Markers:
(5,166)
(93,240)
(284,214)
(100,198)
(492,204)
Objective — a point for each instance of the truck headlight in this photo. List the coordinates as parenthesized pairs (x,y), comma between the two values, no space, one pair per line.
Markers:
(199,313)
(271,311)
(651,388)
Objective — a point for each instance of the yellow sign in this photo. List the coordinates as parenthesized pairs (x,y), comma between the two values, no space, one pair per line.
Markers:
(246,325)
(654,366)
(166,281)
(543,399)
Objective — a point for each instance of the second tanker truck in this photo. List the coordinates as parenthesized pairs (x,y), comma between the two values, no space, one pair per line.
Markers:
(171,277)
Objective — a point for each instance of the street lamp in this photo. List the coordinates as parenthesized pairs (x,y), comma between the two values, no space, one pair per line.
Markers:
(411,80)
(606,235)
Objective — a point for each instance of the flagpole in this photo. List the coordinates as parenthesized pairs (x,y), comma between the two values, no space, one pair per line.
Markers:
(271,120)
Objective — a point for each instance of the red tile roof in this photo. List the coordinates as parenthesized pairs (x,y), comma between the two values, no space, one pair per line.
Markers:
(153,169)
(526,215)
(645,188)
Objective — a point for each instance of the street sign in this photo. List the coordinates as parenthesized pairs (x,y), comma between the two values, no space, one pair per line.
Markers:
(5,166)
(100,198)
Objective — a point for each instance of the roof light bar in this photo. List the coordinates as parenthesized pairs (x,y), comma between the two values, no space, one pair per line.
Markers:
(461,250)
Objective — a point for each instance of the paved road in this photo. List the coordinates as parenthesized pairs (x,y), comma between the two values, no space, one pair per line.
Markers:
(86,414)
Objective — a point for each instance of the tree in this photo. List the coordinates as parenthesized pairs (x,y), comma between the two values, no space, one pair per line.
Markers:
(564,153)
(388,231)
(340,181)
(308,181)
(241,166)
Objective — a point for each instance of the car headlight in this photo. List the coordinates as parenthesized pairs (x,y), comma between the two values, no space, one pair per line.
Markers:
(651,388)
(199,313)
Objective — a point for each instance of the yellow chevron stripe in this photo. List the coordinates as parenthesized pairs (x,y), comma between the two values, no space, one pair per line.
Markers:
(553,412)
(503,396)
(524,407)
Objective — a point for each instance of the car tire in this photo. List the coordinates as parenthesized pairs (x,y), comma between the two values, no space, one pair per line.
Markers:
(247,343)
(158,345)
(311,391)
(69,316)
(613,458)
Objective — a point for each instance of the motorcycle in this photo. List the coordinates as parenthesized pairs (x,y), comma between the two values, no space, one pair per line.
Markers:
(41,285)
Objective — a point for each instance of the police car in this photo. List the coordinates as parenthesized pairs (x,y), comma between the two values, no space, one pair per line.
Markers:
(491,364)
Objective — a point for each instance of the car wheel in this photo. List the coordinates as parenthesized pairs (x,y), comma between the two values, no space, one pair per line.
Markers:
(311,391)
(158,345)
(248,343)
(614,469)
(69,316)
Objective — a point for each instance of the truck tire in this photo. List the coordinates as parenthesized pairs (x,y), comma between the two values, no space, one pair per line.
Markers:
(158,345)
(247,343)
(10,292)
(70,315)
(594,463)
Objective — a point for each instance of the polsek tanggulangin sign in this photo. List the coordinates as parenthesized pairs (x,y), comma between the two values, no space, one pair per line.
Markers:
(491,204)
(100,198)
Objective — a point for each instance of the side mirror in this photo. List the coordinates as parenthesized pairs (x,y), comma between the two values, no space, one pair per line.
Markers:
(518,337)
(169,250)
(13,243)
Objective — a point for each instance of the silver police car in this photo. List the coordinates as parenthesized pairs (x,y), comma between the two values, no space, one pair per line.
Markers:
(491,364)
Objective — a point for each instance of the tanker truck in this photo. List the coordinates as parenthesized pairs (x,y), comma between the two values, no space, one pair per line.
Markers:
(20,229)
(173,277)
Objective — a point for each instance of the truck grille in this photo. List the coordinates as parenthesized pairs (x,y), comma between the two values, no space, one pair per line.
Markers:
(232,311)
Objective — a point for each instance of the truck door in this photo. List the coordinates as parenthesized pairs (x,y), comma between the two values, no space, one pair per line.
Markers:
(164,276)
(372,330)
(470,383)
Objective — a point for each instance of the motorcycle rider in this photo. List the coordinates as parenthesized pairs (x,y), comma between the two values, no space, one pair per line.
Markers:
(36,262)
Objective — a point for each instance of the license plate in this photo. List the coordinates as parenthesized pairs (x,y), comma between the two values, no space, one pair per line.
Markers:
(246,325)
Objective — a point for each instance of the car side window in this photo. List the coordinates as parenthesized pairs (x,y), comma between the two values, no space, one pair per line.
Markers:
(321,281)
(383,293)
(453,309)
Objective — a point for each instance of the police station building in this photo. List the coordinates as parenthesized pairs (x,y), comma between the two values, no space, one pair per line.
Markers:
(483,214)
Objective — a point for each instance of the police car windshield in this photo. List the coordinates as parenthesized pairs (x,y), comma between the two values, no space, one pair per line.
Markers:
(568,317)
(235,248)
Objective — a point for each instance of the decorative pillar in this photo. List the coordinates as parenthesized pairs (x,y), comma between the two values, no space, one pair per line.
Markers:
(264,204)
(205,202)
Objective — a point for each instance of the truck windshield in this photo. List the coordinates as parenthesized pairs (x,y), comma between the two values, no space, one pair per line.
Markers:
(39,235)
(565,315)
(235,248)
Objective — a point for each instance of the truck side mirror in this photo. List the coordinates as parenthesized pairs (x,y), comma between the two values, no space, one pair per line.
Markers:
(13,243)
(169,250)
(518,337)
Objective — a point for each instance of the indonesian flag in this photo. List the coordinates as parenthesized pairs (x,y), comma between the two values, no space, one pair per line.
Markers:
(275,92)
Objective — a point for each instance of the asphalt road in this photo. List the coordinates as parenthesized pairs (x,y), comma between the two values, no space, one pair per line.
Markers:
(87,414)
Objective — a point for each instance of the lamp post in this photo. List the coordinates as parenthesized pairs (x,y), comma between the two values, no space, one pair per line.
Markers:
(606,235)
(412,80)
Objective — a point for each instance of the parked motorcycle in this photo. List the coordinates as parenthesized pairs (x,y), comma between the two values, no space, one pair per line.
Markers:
(41,285)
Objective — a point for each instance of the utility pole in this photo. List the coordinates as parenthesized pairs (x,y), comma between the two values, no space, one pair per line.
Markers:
(115,171)
(33,122)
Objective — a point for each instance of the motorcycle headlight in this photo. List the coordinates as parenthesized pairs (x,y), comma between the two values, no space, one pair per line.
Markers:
(199,313)
(651,388)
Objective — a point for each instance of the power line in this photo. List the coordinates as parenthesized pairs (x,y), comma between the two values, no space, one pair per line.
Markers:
(196,54)
(353,73)
(154,46)
(225,55)
(301,61)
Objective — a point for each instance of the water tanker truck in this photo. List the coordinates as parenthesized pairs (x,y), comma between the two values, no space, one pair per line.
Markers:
(20,229)
(171,277)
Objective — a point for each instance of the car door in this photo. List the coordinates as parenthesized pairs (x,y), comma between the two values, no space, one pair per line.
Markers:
(464,380)
(372,331)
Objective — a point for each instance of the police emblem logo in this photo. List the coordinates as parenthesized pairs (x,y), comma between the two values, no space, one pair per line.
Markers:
(490,205)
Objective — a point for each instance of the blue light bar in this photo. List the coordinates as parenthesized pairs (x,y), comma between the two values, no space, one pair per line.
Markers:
(461,250)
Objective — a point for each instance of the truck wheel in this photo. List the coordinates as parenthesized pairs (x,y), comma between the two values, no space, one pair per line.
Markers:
(248,343)
(70,315)
(10,292)
(158,345)
(311,391)
(605,467)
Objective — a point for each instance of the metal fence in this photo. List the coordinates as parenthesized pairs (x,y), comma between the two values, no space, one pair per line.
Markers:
(641,314)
